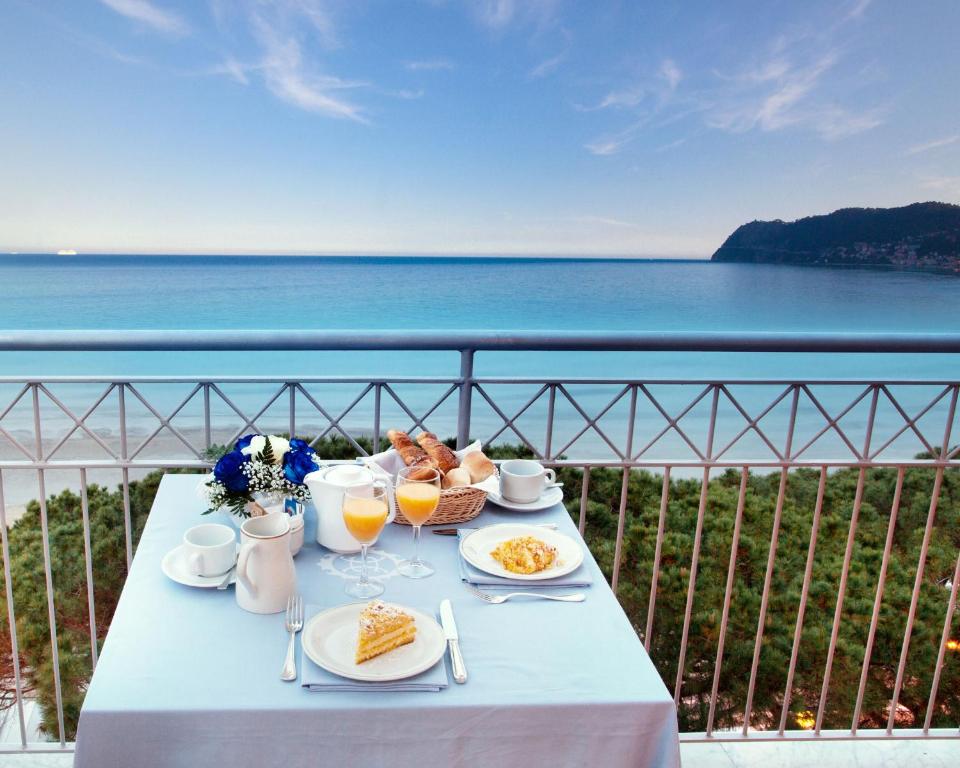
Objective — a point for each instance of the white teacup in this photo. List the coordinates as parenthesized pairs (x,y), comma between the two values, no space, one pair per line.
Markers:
(524,480)
(210,549)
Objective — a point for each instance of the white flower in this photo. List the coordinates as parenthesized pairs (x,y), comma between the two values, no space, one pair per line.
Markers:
(280,447)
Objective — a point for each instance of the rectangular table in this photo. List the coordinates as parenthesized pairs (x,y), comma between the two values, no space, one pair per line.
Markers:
(187,678)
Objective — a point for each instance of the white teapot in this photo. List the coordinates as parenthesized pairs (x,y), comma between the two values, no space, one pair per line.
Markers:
(326,487)
(265,573)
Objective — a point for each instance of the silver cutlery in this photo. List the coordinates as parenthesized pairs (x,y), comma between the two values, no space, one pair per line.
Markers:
(453,641)
(577,597)
(293,623)
(453,531)
(226,578)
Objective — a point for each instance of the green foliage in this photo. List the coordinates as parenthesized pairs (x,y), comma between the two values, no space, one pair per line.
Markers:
(640,534)
(853,236)
(267,456)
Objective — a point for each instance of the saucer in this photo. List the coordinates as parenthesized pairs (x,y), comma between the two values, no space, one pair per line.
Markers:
(174,567)
(550,497)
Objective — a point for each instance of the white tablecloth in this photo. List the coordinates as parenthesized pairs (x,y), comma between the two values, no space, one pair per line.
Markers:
(186,678)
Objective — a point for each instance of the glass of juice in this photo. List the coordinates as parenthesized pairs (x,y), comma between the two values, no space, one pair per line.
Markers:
(365,513)
(417,493)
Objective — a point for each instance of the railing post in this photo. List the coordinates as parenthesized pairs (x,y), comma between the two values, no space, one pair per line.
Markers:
(466,393)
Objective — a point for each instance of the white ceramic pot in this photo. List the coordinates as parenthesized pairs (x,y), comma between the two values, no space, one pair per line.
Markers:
(265,573)
(326,487)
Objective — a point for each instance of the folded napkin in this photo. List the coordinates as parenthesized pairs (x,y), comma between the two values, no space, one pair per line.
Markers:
(579,578)
(314,678)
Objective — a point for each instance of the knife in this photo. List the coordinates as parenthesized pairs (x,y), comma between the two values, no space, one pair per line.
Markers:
(453,531)
(453,641)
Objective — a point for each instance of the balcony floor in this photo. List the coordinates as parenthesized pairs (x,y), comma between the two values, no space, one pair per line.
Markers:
(940,753)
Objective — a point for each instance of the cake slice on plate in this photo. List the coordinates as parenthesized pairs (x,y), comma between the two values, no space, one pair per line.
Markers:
(382,628)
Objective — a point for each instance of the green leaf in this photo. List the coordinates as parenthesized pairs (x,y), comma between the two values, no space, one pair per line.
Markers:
(266,455)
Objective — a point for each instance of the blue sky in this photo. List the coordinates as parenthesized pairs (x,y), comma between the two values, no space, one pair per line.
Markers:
(445,126)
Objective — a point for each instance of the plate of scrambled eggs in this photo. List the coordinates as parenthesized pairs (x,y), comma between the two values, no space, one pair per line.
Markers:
(523,552)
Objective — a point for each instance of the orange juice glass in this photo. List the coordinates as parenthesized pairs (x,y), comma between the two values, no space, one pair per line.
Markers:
(364,518)
(417,493)
(364,514)
(418,501)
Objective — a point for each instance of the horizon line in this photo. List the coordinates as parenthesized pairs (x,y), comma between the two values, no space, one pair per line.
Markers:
(370,254)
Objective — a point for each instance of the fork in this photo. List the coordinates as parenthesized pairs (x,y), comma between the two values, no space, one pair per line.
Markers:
(294,623)
(577,597)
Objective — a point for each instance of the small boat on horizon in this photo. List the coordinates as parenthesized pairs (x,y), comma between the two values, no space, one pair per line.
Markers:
(66,252)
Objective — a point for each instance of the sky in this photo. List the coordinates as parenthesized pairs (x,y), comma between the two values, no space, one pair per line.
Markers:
(464,127)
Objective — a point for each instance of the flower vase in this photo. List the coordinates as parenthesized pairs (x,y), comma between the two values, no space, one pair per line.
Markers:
(265,503)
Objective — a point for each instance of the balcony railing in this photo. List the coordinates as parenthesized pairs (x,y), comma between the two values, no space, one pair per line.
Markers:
(685,430)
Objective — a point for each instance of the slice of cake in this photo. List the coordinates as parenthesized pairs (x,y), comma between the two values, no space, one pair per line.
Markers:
(525,554)
(382,628)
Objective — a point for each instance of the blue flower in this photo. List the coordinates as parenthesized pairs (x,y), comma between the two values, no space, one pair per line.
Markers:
(229,471)
(297,444)
(243,442)
(298,464)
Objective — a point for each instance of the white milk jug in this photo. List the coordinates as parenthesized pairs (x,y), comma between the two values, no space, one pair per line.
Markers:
(265,573)
(326,487)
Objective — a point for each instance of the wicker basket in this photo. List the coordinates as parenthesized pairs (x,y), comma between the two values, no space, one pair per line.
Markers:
(457,505)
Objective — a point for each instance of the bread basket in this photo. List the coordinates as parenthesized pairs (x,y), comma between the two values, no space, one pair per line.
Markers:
(457,505)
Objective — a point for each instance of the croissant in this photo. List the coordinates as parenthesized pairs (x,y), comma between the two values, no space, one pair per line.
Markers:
(408,450)
(445,458)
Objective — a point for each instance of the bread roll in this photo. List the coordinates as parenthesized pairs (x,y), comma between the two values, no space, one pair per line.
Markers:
(456,478)
(478,465)
(402,444)
(445,458)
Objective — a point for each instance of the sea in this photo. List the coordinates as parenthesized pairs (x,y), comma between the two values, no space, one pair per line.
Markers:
(439,294)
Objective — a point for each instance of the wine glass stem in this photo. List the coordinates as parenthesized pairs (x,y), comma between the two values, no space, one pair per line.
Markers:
(416,544)
(363,563)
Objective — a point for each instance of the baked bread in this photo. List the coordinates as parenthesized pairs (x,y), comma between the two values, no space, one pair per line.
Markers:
(410,452)
(456,478)
(478,465)
(423,469)
(445,458)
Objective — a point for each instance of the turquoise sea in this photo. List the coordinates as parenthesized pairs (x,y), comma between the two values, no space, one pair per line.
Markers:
(506,294)
(272,292)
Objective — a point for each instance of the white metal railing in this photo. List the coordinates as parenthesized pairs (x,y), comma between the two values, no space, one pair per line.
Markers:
(776,426)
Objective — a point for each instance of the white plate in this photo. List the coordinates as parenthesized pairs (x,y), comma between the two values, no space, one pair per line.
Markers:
(476,547)
(174,565)
(330,641)
(550,498)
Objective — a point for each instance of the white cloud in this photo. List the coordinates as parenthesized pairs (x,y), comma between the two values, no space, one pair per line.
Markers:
(499,14)
(429,65)
(612,144)
(916,149)
(945,185)
(672,145)
(406,94)
(547,66)
(496,13)
(858,8)
(233,69)
(670,72)
(795,82)
(836,123)
(146,12)
(778,94)
(606,146)
(290,79)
